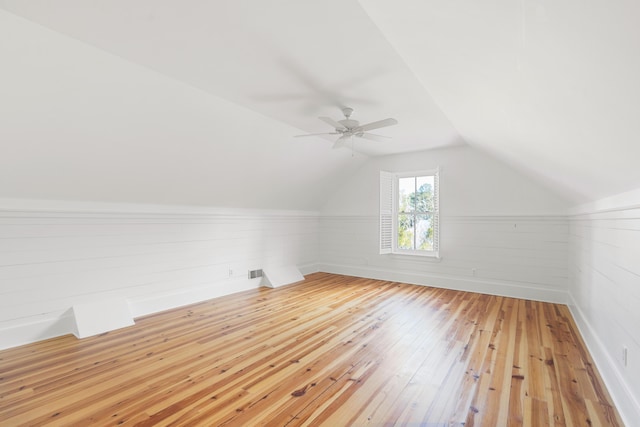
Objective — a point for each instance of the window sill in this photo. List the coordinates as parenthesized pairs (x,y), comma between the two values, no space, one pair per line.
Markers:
(428,257)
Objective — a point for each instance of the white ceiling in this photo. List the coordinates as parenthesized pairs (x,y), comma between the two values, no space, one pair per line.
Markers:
(79,124)
(160,100)
(549,86)
(288,60)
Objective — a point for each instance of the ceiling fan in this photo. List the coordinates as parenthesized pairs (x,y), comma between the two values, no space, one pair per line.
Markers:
(348,128)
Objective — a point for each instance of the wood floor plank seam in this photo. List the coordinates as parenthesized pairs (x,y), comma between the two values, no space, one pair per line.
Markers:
(332,350)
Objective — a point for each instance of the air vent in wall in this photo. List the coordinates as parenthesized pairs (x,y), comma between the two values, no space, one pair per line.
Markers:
(255,273)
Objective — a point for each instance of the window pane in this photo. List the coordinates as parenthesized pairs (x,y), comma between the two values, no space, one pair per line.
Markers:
(424,232)
(424,195)
(405,231)
(406,194)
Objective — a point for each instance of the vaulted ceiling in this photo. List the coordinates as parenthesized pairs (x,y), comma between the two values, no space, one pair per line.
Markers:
(197,102)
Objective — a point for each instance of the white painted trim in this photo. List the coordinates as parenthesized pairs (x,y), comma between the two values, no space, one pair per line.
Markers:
(150,216)
(26,333)
(464,218)
(507,289)
(623,398)
(100,316)
(51,327)
(146,305)
(11,207)
(275,277)
(308,268)
(506,218)
(36,330)
(615,380)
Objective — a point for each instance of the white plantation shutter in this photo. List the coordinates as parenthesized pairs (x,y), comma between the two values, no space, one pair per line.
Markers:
(436,212)
(386,212)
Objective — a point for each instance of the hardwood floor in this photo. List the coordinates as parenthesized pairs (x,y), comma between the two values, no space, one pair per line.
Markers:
(333,350)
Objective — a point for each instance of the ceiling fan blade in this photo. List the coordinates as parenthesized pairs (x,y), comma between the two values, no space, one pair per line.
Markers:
(332,123)
(316,134)
(374,137)
(377,125)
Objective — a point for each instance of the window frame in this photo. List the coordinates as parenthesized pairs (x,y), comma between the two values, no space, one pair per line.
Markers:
(389,201)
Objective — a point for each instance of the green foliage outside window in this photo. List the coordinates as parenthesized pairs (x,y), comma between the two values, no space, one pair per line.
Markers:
(415,224)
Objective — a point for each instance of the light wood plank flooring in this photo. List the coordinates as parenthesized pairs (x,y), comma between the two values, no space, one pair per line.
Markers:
(333,350)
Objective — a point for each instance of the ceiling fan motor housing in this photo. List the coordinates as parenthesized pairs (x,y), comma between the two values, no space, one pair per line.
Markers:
(349,124)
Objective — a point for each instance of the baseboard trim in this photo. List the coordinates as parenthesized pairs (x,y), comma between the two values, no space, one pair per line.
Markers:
(146,305)
(308,268)
(36,330)
(626,403)
(156,303)
(31,330)
(536,293)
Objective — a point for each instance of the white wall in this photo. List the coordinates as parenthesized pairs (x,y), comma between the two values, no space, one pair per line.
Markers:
(501,232)
(472,183)
(513,232)
(521,239)
(153,257)
(604,286)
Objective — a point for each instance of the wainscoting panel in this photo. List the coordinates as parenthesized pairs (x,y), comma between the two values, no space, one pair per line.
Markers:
(51,261)
(604,283)
(518,256)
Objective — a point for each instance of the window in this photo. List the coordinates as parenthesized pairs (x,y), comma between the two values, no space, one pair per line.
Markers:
(409,215)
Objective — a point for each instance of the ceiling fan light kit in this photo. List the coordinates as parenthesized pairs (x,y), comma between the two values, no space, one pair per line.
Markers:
(348,128)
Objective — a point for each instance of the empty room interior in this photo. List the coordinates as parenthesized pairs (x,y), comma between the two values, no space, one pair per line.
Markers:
(339,213)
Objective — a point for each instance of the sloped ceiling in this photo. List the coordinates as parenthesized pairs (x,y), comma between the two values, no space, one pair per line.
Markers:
(551,87)
(197,102)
